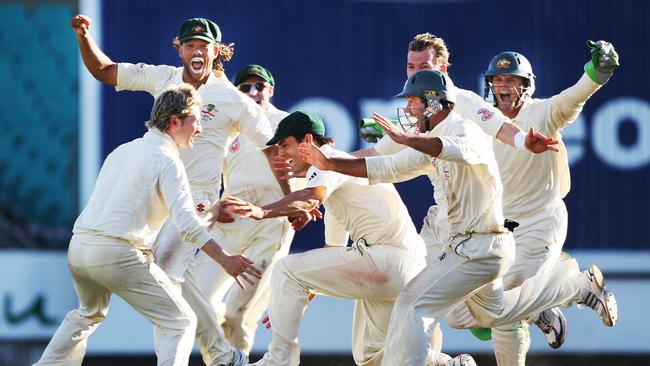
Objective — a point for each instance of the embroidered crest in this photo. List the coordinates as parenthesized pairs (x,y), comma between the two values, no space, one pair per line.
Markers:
(503,63)
(198,29)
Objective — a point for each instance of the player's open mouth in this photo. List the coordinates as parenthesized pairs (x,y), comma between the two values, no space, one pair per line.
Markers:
(197,64)
(505,97)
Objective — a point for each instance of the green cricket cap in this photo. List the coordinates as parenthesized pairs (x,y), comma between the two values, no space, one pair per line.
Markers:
(199,28)
(254,70)
(296,124)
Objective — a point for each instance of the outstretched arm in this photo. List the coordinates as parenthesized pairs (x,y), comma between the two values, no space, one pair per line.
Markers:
(304,200)
(97,63)
(355,167)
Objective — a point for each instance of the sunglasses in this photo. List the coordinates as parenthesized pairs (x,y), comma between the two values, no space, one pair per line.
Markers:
(246,87)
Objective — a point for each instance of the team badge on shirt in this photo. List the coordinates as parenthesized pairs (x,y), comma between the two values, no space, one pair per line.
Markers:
(208,112)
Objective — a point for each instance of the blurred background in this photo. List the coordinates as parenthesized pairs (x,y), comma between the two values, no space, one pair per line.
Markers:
(342,59)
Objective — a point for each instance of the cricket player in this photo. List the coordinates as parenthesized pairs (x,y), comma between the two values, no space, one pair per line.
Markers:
(225,111)
(387,251)
(479,250)
(247,175)
(534,185)
(140,185)
(428,52)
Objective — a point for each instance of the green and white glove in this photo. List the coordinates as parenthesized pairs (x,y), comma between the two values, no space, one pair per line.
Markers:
(370,131)
(604,60)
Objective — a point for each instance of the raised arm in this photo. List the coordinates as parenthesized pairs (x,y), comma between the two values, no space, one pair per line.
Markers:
(566,106)
(98,64)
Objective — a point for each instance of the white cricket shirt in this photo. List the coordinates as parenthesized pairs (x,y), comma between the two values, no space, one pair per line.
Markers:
(225,112)
(140,183)
(534,181)
(465,176)
(375,213)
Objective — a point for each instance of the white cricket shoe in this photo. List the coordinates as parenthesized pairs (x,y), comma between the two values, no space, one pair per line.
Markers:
(462,359)
(554,326)
(598,297)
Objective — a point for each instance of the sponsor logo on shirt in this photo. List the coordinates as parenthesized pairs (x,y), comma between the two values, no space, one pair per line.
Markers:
(485,114)
(200,207)
(312,176)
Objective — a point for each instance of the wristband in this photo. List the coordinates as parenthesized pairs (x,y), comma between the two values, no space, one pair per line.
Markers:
(520,137)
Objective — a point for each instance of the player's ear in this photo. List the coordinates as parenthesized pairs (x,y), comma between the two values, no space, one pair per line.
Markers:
(174,122)
(309,138)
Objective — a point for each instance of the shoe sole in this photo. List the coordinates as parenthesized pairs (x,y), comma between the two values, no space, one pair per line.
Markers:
(563,332)
(610,305)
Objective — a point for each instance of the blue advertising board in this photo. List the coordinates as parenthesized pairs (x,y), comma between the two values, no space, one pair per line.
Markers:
(345,59)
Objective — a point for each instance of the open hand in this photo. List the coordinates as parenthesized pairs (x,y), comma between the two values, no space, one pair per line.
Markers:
(241,268)
(538,143)
(243,208)
(394,132)
(300,220)
(312,154)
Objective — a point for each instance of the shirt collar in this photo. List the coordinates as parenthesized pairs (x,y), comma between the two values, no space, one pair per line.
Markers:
(164,138)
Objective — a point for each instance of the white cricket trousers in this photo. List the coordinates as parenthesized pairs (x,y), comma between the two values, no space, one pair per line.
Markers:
(461,272)
(178,262)
(101,266)
(264,242)
(539,240)
(373,275)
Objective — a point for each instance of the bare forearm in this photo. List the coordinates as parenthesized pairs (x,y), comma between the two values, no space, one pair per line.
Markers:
(214,251)
(347,166)
(431,146)
(296,202)
(96,61)
(507,133)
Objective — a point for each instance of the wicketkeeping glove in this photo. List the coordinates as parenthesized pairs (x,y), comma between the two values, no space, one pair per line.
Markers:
(604,60)
(369,130)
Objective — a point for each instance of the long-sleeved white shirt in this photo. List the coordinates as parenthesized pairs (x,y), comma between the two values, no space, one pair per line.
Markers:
(139,185)
(465,176)
(225,112)
(375,213)
(470,106)
(534,181)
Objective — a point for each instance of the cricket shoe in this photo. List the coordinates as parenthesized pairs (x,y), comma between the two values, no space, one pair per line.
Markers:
(598,297)
(462,359)
(554,326)
(239,358)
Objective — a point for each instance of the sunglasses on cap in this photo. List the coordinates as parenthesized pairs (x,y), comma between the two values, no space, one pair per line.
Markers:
(246,87)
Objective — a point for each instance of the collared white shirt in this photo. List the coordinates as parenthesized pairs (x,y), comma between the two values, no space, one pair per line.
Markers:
(465,176)
(532,182)
(225,112)
(139,185)
(375,213)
